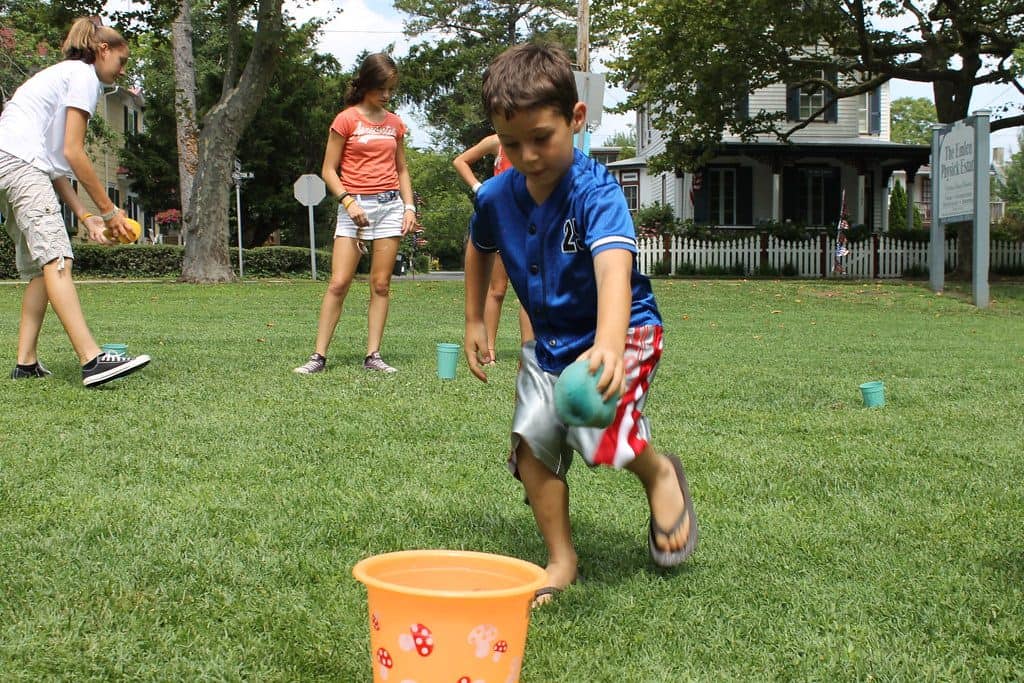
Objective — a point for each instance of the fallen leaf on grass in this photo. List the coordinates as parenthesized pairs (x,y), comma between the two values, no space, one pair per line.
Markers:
(776,311)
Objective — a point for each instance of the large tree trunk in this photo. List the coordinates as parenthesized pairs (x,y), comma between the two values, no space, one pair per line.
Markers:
(185,104)
(206,250)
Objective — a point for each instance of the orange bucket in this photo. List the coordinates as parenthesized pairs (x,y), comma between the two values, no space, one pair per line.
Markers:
(448,616)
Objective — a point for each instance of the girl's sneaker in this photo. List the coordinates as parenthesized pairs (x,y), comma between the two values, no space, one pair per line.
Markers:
(28,371)
(375,362)
(108,366)
(315,364)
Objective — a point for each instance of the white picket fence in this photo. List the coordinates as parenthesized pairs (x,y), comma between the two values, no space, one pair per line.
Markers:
(880,256)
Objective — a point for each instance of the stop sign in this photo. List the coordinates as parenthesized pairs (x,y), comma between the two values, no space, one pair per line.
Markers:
(310,189)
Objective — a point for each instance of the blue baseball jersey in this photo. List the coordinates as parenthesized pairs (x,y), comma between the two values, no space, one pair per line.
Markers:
(548,251)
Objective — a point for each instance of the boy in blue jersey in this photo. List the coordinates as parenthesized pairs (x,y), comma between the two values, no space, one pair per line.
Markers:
(568,243)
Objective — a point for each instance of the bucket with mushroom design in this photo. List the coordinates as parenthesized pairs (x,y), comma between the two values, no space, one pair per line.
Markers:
(448,615)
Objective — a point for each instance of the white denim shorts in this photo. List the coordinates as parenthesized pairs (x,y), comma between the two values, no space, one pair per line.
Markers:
(29,204)
(385,217)
(553,442)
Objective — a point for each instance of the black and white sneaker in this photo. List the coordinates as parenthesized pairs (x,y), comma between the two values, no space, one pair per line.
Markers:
(28,371)
(375,362)
(315,364)
(108,366)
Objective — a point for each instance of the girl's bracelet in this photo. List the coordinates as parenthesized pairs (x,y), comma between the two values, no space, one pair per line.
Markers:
(348,203)
(341,197)
(410,207)
(109,215)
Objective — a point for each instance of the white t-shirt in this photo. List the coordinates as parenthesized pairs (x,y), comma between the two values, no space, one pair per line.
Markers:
(33,121)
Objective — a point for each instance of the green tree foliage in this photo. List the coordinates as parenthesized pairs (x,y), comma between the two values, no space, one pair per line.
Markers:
(722,51)
(444,205)
(912,119)
(31,32)
(284,141)
(898,210)
(624,139)
(441,77)
(1011,190)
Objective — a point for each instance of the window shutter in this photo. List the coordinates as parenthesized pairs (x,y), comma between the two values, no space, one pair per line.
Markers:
(832,113)
(744,196)
(743,107)
(793,103)
(875,112)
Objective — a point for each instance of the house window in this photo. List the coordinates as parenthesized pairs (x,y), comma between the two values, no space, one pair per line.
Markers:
(632,193)
(721,195)
(812,98)
(864,113)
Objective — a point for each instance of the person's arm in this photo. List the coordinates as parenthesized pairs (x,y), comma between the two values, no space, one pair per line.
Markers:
(329,172)
(613,269)
(93,223)
(463,163)
(405,189)
(478,274)
(75,124)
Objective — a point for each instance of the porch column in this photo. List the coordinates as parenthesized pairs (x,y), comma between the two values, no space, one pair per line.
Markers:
(911,172)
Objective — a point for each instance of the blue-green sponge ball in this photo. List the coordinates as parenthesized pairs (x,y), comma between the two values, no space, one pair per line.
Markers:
(577,399)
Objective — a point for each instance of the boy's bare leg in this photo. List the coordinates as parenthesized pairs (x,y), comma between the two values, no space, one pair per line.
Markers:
(33,309)
(659,480)
(496,291)
(549,500)
(60,290)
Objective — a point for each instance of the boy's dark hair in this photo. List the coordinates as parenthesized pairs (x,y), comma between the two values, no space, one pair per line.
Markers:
(529,76)
(374,72)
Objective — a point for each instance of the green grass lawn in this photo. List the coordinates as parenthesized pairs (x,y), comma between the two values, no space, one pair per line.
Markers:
(199,520)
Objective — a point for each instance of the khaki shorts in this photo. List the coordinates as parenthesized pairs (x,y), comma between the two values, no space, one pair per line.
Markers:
(553,442)
(34,222)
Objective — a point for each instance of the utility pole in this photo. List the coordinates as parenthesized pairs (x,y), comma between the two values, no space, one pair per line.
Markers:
(583,35)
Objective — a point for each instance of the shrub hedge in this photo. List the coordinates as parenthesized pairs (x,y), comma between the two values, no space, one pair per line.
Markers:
(164,260)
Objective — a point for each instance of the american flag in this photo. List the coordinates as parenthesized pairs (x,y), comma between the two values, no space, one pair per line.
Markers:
(841,239)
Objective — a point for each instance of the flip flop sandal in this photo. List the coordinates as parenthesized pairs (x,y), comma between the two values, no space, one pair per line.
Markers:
(552,591)
(664,558)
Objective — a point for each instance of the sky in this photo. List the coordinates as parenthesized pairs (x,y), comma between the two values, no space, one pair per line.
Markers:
(374,24)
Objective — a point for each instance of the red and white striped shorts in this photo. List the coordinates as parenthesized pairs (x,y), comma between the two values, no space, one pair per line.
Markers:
(553,442)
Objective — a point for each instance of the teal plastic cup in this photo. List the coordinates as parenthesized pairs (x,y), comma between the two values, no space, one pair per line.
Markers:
(120,349)
(447,359)
(873,394)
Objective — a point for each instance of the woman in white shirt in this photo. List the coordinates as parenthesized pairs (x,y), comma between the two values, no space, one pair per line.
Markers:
(42,143)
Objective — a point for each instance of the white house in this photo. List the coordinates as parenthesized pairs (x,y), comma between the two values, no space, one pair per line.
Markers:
(750,183)
(121,109)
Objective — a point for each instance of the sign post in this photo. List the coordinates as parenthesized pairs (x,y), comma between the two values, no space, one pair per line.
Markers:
(960,192)
(310,191)
(238,176)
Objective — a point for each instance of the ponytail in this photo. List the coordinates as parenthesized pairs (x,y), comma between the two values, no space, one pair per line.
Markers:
(375,71)
(86,36)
